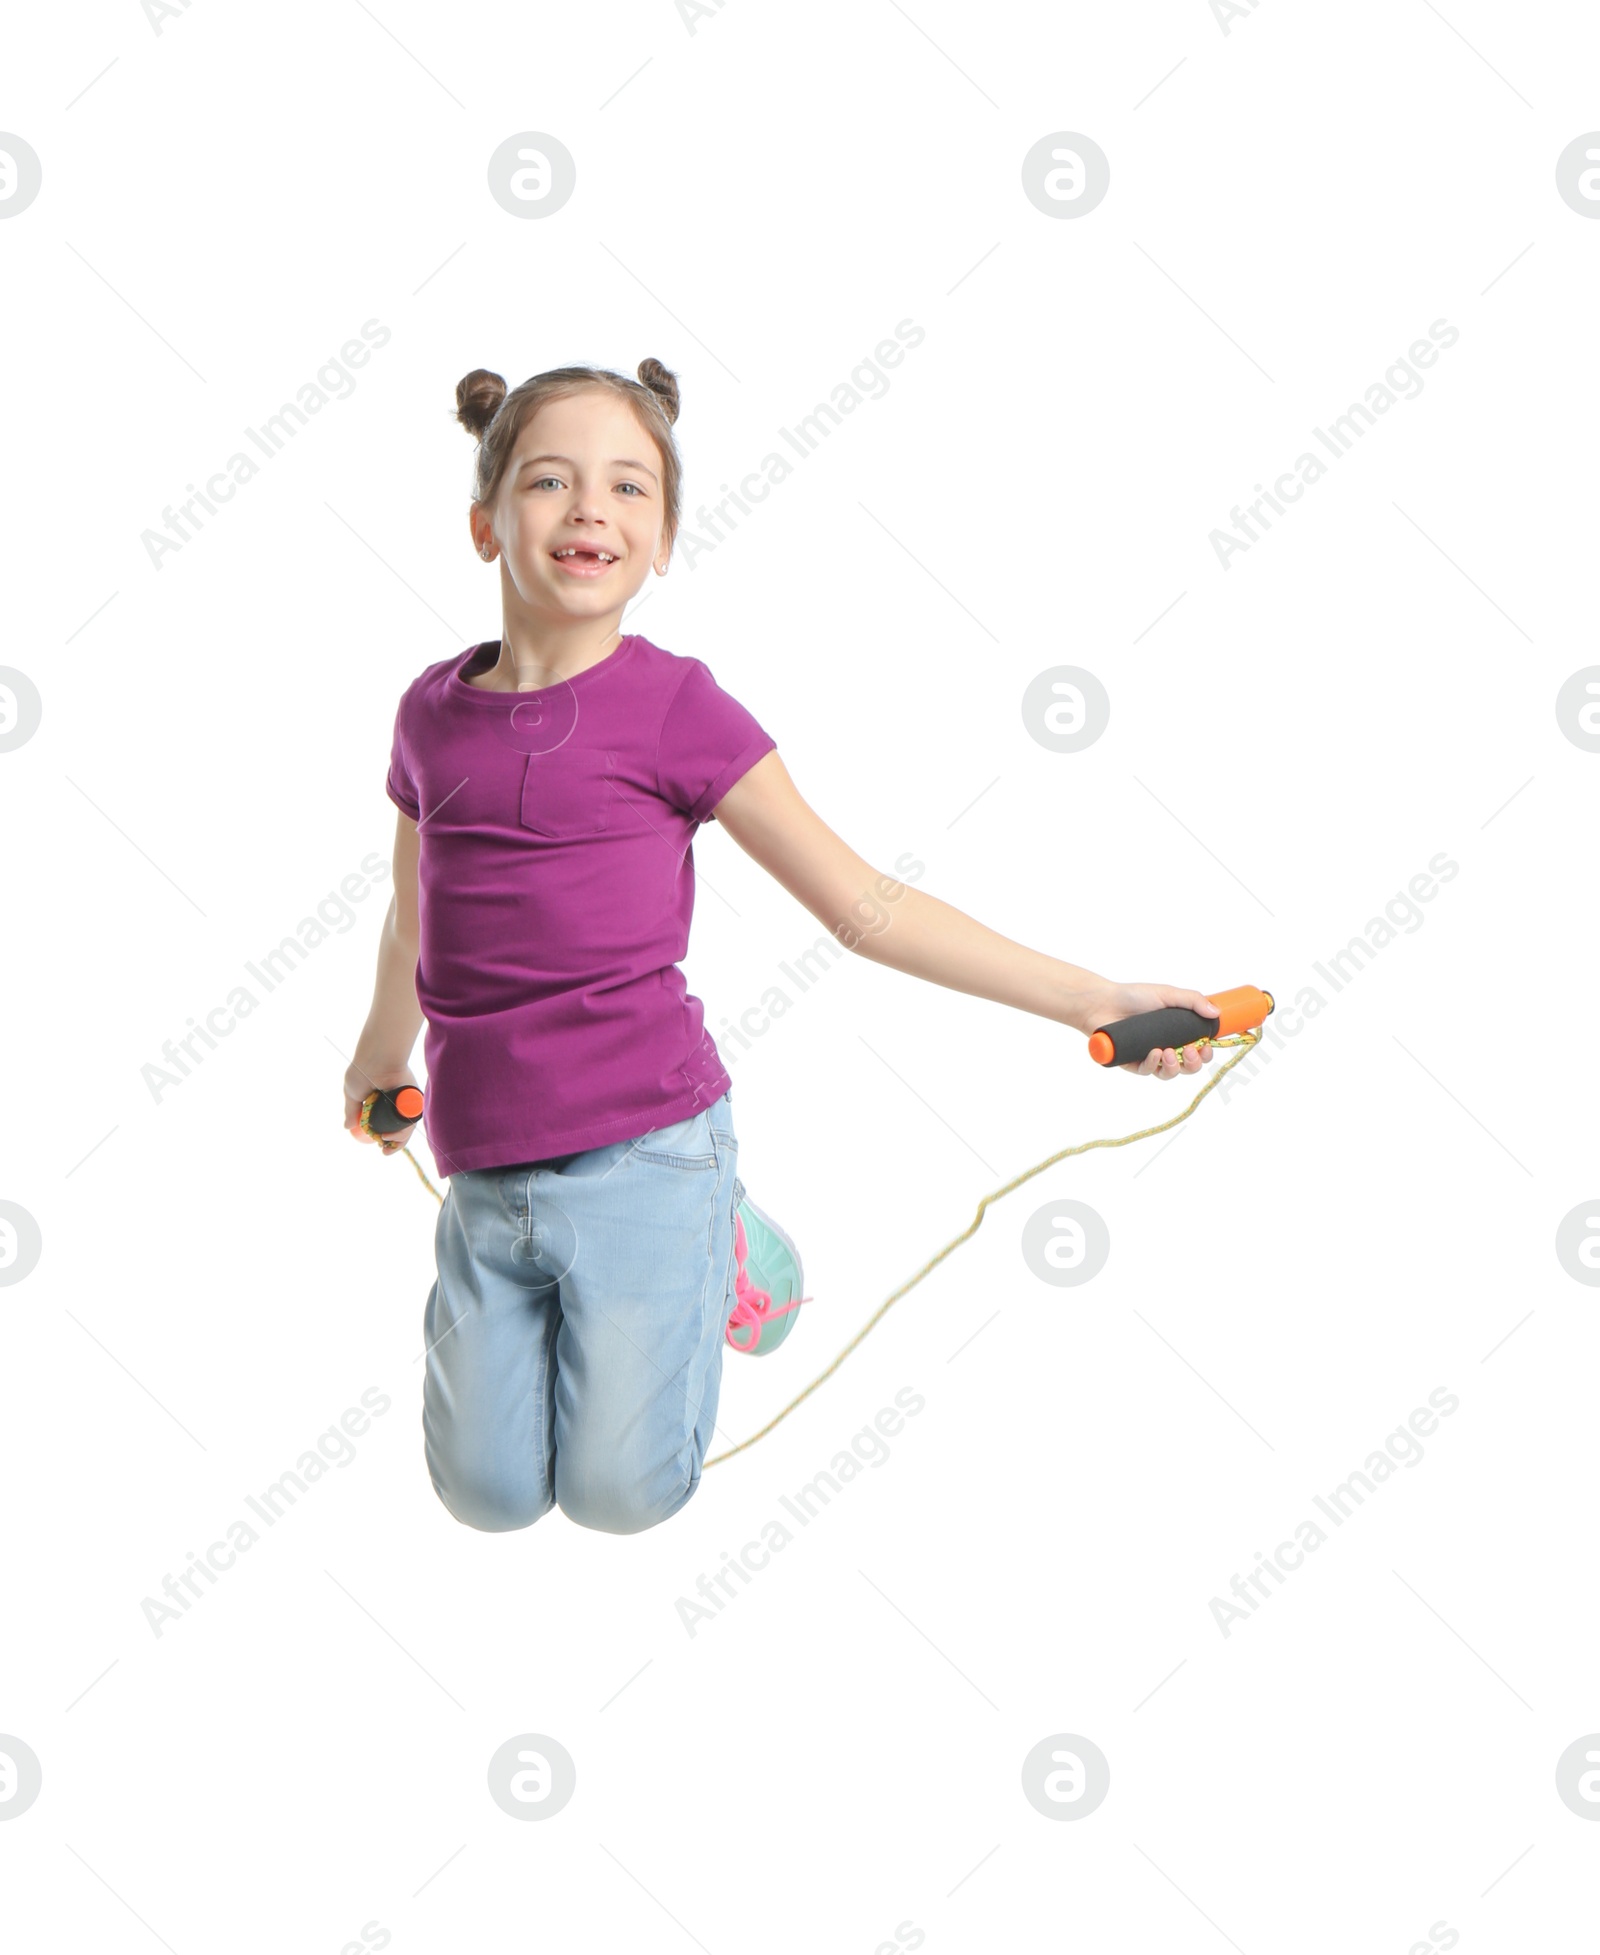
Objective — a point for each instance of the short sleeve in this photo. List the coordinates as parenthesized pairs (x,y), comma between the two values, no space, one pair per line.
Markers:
(708,741)
(401,789)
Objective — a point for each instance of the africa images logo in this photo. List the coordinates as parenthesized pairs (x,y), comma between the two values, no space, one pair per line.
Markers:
(1402,1447)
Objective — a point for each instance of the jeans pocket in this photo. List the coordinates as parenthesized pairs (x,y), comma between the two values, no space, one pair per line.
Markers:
(685,1144)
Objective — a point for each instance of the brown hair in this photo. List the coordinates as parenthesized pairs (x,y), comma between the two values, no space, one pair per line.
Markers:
(485,409)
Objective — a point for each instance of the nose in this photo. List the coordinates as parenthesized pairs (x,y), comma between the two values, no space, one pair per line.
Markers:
(587,507)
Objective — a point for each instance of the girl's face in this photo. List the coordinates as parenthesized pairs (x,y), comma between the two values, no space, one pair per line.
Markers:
(583,485)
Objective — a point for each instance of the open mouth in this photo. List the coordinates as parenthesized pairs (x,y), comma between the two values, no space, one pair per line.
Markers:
(583,559)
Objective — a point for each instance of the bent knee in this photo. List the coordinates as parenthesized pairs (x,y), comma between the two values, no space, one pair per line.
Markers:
(615,1506)
(491,1506)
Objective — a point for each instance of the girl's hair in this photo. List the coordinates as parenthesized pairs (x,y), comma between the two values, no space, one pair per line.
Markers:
(485,409)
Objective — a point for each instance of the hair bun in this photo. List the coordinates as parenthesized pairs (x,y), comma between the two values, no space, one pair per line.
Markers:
(478,399)
(662,384)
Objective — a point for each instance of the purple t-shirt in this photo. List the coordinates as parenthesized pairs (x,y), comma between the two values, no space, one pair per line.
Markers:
(555,889)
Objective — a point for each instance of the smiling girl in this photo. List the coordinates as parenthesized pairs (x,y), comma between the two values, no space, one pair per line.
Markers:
(597,1248)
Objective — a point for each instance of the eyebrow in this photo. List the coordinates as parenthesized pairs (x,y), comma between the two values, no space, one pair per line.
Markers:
(620,462)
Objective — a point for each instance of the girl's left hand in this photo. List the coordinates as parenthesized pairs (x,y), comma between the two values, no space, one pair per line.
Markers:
(1113,1001)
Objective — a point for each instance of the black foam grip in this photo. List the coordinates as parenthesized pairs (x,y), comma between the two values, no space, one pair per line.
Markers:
(386,1117)
(1135,1038)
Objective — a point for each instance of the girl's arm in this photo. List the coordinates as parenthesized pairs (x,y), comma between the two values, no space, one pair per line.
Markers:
(383,1052)
(911,931)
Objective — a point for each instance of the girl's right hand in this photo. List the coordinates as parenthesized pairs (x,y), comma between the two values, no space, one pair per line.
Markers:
(359,1081)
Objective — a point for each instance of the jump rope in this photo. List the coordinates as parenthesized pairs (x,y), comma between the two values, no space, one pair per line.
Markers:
(1242,1012)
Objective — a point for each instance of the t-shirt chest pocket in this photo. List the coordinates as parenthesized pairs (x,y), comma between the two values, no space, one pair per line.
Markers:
(567,792)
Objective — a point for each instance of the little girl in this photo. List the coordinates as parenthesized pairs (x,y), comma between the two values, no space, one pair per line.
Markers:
(597,1247)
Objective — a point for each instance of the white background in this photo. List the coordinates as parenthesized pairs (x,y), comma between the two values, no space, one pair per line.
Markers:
(759,202)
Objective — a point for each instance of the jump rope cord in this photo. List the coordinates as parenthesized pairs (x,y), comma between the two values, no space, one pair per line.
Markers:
(1245,1041)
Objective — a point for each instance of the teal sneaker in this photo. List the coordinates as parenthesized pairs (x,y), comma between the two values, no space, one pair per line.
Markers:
(767,1281)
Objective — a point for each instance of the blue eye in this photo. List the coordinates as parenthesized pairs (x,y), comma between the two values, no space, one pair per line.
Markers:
(539,484)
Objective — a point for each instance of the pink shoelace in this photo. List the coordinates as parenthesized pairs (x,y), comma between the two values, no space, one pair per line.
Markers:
(753,1311)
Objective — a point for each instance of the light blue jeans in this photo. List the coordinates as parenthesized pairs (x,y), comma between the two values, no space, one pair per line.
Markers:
(575,1330)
